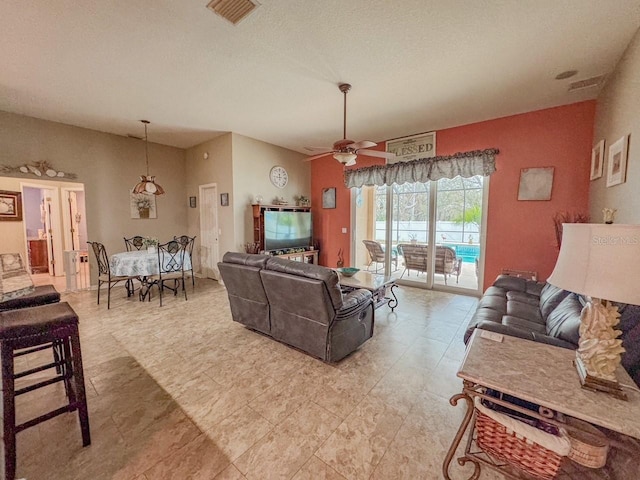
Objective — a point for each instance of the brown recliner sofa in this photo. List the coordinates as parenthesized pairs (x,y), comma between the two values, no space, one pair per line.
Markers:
(297,303)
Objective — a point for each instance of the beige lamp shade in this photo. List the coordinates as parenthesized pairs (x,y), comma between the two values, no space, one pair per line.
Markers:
(599,260)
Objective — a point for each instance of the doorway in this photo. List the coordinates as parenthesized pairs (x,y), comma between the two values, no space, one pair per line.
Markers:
(209,249)
(54,229)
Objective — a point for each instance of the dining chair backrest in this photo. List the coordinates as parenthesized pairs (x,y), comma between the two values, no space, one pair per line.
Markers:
(101,257)
(134,243)
(187,242)
(171,257)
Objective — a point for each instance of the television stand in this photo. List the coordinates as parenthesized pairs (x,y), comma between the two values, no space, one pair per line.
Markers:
(309,256)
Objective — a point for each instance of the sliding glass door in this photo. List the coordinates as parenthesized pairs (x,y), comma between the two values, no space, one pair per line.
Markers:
(431,233)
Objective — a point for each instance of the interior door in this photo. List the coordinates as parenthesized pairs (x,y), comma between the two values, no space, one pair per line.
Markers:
(209,232)
(72,225)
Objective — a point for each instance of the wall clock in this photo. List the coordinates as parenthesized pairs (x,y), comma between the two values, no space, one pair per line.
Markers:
(279,176)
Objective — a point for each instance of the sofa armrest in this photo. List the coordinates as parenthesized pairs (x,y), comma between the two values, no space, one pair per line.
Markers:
(354,302)
(524,334)
(505,330)
(556,342)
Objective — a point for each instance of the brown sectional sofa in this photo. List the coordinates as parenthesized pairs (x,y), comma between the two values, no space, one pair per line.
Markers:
(297,303)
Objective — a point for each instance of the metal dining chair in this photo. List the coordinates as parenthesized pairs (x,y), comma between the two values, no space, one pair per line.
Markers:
(187,243)
(134,243)
(171,267)
(104,272)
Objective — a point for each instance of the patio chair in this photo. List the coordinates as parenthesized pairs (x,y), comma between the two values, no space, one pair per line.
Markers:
(377,255)
(447,263)
(171,267)
(104,272)
(134,243)
(187,243)
(415,258)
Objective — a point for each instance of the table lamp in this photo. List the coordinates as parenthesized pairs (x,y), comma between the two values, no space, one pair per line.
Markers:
(602,262)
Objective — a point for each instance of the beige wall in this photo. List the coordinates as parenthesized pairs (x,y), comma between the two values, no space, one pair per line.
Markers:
(252,162)
(217,168)
(618,114)
(108,166)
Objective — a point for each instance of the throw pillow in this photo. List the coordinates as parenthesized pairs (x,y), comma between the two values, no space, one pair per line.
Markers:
(15,281)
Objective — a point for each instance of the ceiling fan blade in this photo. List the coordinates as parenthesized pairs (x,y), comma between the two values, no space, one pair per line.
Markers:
(376,153)
(362,144)
(317,149)
(308,159)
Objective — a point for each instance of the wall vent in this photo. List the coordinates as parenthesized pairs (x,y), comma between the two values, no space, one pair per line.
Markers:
(233,10)
(586,83)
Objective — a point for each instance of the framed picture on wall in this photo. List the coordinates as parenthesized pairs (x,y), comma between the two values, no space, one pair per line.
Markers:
(617,162)
(535,183)
(10,206)
(329,197)
(597,160)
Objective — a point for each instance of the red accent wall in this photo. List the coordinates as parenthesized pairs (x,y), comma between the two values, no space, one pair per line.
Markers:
(520,235)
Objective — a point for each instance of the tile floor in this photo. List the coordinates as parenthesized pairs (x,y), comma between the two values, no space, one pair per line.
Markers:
(183,392)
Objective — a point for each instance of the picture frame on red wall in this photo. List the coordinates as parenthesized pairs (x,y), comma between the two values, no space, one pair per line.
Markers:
(329,197)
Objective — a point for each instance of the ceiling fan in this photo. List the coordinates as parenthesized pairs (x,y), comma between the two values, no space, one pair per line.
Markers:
(346,151)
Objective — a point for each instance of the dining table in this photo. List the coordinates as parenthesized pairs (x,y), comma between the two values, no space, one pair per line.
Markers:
(142,264)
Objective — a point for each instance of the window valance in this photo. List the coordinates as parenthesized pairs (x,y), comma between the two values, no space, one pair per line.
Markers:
(465,164)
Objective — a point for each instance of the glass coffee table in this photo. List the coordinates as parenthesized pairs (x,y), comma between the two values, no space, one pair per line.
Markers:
(378,285)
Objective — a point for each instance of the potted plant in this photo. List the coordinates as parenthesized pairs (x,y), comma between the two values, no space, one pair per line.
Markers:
(413,238)
(303,201)
(151,243)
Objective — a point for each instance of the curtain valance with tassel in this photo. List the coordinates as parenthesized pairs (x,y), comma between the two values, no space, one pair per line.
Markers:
(465,164)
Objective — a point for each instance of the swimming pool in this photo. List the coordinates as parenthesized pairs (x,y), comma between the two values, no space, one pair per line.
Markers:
(467,252)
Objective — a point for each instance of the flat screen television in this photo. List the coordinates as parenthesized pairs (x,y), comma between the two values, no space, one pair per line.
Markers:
(287,230)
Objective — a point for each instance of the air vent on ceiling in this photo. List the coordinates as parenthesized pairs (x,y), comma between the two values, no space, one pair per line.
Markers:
(233,10)
(586,83)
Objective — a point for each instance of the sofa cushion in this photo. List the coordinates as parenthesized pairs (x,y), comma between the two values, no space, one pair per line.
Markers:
(495,292)
(494,302)
(550,298)
(526,311)
(15,281)
(309,270)
(564,321)
(248,259)
(524,297)
(630,326)
(534,288)
(509,282)
(41,295)
(523,324)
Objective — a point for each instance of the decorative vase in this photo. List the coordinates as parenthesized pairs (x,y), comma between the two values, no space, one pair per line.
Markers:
(144,212)
(151,249)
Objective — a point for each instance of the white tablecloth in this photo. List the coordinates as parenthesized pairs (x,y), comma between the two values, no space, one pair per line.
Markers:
(139,263)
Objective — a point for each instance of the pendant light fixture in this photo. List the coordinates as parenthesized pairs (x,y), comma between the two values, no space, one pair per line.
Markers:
(147,183)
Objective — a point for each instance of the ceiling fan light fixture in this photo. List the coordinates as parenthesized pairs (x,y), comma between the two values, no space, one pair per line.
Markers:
(147,183)
(346,158)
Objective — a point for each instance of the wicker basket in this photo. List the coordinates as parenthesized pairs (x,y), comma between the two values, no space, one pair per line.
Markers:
(493,438)
(588,449)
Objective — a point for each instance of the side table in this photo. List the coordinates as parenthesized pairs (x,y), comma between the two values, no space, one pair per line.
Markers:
(537,373)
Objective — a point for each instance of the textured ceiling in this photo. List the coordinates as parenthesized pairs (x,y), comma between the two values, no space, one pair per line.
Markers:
(415,65)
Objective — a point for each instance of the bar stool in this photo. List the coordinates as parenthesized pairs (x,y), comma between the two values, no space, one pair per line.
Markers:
(29,330)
